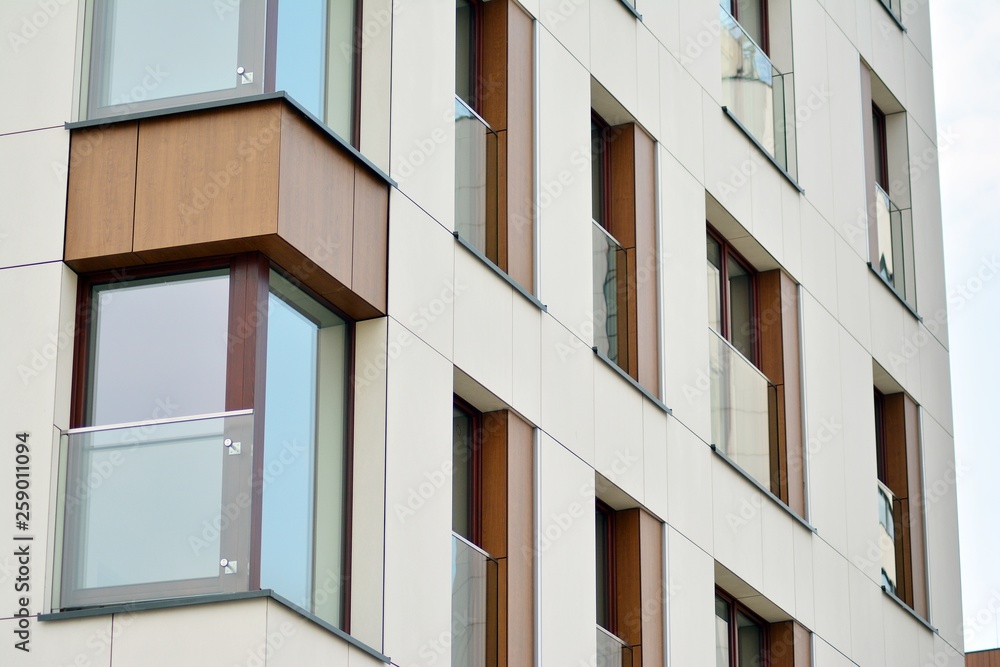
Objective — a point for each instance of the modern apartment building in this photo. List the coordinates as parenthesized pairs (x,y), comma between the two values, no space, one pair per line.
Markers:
(474,333)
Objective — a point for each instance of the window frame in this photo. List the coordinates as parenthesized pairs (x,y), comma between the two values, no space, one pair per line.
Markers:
(727,252)
(476,58)
(735,608)
(475,499)
(610,562)
(246,367)
(601,154)
(765,45)
(881,148)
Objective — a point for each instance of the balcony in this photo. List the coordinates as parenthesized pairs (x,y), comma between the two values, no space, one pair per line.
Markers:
(476,193)
(473,605)
(894,259)
(759,97)
(612,651)
(610,293)
(889,511)
(744,411)
(154,510)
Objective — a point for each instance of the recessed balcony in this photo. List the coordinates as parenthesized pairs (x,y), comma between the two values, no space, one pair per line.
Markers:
(894,259)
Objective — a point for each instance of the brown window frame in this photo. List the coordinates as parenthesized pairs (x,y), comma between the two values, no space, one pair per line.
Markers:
(609,575)
(245,371)
(476,56)
(736,607)
(726,253)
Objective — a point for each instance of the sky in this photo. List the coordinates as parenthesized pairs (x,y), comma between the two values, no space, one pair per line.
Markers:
(967,82)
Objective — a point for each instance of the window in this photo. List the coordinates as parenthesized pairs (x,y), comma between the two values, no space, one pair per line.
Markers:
(494,186)
(201,52)
(629,567)
(900,509)
(172,483)
(623,228)
(732,297)
(466,472)
(890,220)
(740,636)
(752,15)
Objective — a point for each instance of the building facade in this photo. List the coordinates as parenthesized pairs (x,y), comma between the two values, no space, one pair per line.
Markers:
(314,354)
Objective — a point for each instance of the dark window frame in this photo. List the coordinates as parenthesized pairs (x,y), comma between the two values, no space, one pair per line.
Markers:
(881,148)
(609,575)
(602,154)
(728,253)
(735,608)
(476,465)
(245,366)
(880,436)
(476,56)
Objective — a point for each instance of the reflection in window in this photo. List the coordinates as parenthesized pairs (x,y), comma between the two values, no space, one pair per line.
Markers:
(731,297)
(740,638)
(158,348)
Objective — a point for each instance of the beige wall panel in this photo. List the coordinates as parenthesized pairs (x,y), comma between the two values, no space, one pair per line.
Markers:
(866,621)
(418,500)
(207,176)
(569,24)
(613,50)
(778,530)
(151,638)
(422,154)
(824,428)
(690,500)
(766,185)
(698,23)
(654,454)
(833,597)
(566,533)
(647,109)
(691,589)
(819,265)
(564,216)
(527,363)
(729,157)
(422,287)
(483,329)
(805,595)
(85,641)
(661,20)
(736,513)
(852,292)
(376,68)
(682,116)
(568,381)
(33,192)
(292,641)
(39,52)
(368,524)
(618,433)
(685,297)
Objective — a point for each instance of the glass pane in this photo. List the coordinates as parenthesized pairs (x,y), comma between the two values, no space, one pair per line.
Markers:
(156,50)
(158,348)
(743,405)
(878,127)
(150,511)
(741,309)
(601,544)
(612,651)
(714,285)
(751,16)
(887,536)
(597,174)
(341,53)
(721,632)
(299,66)
(609,292)
(750,639)
(461,480)
(476,181)
(303,493)
(473,578)
(465,44)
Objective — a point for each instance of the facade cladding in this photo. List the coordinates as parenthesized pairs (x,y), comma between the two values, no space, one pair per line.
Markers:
(481,333)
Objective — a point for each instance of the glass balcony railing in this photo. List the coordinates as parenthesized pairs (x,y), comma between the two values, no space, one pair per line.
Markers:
(895,7)
(744,410)
(612,651)
(760,97)
(154,510)
(610,299)
(889,511)
(894,231)
(476,193)
(473,605)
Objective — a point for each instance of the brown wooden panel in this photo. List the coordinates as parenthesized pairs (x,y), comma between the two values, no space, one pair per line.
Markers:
(492,89)
(628,587)
(791,403)
(781,644)
(989,658)
(316,196)
(622,206)
(915,518)
(100,197)
(207,176)
(494,483)
(895,446)
(370,277)
(770,323)
(651,550)
(520,542)
(519,163)
(647,294)
(803,646)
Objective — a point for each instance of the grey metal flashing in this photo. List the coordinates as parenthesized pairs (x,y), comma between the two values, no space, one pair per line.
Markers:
(500,272)
(910,610)
(763,489)
(763,150)
(219,104)
(911,309)
(898,21)
(632,381)
(632,9)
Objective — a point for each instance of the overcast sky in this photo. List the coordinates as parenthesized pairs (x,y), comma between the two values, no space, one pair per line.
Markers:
(966,34)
